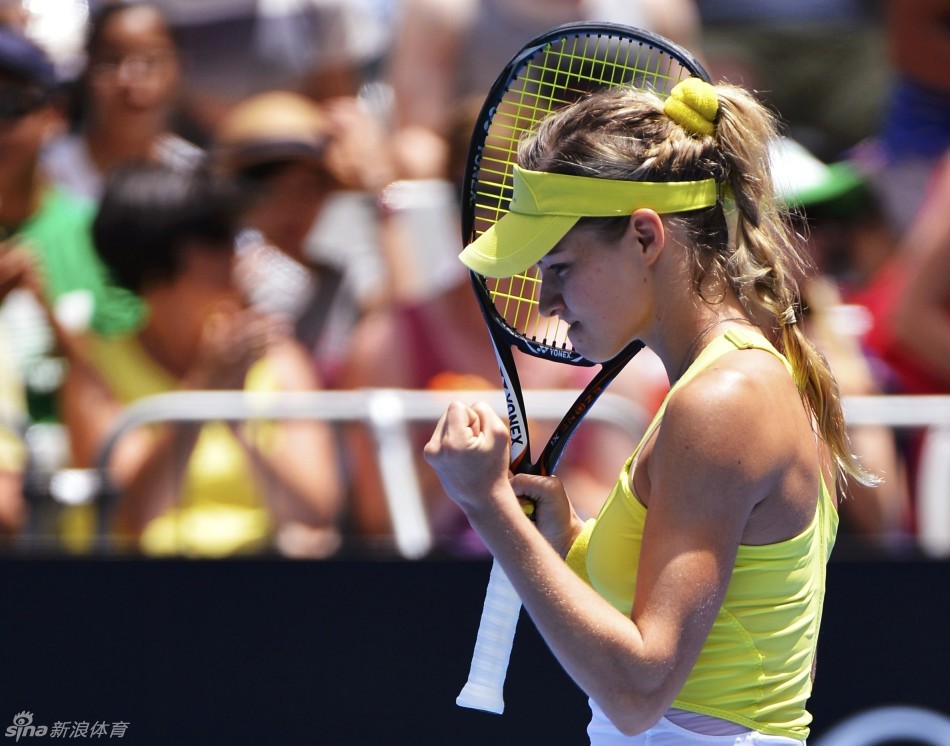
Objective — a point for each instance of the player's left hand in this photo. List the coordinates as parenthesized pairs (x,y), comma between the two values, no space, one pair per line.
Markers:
(551,509)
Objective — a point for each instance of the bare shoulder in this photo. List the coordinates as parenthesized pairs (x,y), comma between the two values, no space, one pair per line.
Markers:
(740,380)
(746,435)
(721,451)
(737,416)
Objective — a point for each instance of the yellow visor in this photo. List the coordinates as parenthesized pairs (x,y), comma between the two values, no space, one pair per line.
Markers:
(545,206)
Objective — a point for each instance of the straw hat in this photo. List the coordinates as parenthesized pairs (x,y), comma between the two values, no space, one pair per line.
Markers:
(272,127)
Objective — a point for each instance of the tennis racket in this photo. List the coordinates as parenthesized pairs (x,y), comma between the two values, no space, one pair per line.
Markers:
(553,70)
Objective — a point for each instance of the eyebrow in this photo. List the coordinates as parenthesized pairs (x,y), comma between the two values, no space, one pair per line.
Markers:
(556,251)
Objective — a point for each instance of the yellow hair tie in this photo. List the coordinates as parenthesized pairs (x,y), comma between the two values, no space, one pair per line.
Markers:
(693,104)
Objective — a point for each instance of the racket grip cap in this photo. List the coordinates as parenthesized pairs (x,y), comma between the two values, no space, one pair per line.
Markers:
(477,696)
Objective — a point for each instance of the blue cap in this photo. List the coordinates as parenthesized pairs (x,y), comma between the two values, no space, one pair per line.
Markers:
(22,58)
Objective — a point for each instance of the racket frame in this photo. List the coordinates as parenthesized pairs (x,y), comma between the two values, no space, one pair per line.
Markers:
(484,687)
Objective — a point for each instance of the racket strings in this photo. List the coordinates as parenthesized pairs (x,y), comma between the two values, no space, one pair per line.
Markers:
(558,74)
(516,301)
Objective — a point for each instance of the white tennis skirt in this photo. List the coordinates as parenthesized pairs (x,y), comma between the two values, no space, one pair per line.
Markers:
(667,733)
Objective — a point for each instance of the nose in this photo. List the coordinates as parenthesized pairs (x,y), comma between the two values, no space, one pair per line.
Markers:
(550,302)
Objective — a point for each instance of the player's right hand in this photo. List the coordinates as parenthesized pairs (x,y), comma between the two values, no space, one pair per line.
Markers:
(469,451)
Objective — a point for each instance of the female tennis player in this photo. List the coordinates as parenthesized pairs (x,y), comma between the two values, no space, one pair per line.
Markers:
(688,610)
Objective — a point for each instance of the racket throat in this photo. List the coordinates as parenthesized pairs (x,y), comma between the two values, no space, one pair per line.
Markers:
(517,428)
(514,405)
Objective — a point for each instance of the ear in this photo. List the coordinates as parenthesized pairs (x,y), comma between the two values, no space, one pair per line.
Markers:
(649,233)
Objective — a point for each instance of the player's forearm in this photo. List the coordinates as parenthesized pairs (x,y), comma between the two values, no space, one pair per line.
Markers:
(600,648)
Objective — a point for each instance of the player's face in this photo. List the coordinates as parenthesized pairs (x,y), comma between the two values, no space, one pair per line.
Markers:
(598,287)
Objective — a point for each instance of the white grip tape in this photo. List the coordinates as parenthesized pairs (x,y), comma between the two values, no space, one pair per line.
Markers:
(496,635)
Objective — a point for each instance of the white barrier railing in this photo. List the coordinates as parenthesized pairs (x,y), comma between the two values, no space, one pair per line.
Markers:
(898,411)
(388,412)
(931,413)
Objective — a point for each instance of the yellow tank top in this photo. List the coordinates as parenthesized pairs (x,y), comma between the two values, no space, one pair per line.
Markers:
(755,666)
(221,509)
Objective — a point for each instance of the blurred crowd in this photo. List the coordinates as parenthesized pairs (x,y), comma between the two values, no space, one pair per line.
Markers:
(262,195)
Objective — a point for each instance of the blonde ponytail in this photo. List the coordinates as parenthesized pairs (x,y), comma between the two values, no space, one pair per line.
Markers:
(767,262)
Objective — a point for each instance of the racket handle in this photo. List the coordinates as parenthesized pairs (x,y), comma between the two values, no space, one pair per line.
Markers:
(496,635)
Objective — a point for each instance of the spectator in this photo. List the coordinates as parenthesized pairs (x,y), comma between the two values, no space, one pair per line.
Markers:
(46,261)
(817,63)
(914,131)
(210,489)
(918,333)
(919,320)
(908,164)
(233,50)
(326,50)
(908,301)
(283,148)
(125,101)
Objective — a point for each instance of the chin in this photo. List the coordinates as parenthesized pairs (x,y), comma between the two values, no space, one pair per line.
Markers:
(585,348)
(596,353)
